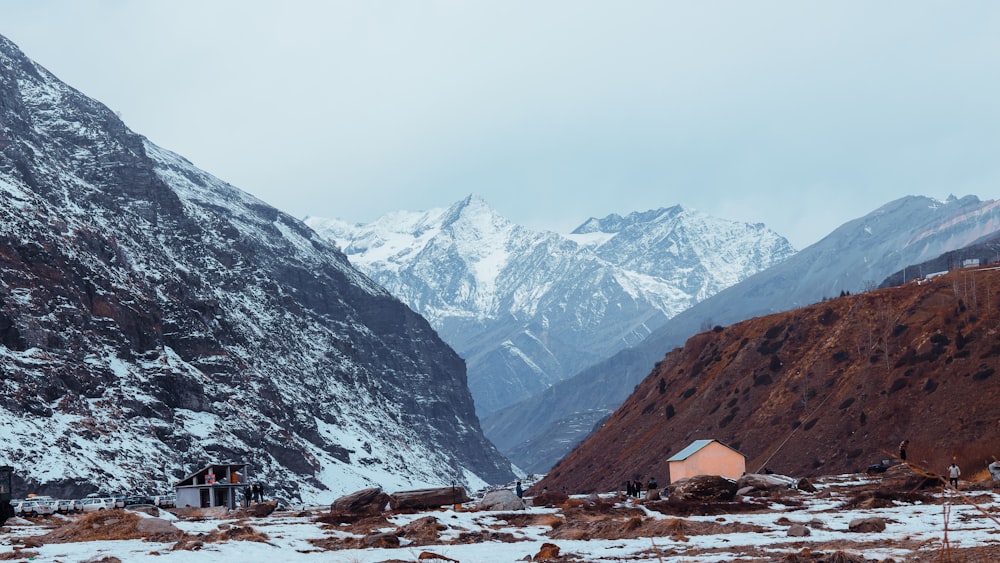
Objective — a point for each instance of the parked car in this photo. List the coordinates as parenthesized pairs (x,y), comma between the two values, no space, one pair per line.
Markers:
(65,506)
(166,501)
(35,507)
(17,505)
(93,504)
(138,499)
(118,502)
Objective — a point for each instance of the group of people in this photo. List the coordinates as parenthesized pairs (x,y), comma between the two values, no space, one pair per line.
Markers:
(254,492)
(634,488)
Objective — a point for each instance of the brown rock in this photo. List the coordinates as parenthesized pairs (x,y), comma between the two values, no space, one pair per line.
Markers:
(549,499)
(863,525)
(548,552)
(422,531)
(427,498)
(429,556)
(262,509)
(382,540)
(806,485)
(366,501)
(706,487)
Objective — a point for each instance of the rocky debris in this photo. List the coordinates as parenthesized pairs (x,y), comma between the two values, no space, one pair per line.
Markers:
(704,487)
(423,531)
(765,482)
(806,485)
(501,499)
(366,501)
(419,499)
(867,525)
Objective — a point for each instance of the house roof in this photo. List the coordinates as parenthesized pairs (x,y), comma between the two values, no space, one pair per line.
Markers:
(224,468)
(694,447)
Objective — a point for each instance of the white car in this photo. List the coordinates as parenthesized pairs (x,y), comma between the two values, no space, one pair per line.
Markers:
(95,504)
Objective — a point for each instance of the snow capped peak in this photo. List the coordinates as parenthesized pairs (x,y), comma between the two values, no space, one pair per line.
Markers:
(528,308)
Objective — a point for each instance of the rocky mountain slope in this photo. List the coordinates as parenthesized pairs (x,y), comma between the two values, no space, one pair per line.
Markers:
(855,257)
(154,318)
(527,308)
(824,389)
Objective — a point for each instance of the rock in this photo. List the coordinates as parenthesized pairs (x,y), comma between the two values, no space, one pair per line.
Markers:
(548,498)
(765,481)
(366,501)
(382,540)
(744,491)
(548,552)
(427,498)
(798,531)
(706,487)
(156,527)
(653,494)
(261,509)
(422,531)
(867,525)
(429,556)
(501,500)
(806,485)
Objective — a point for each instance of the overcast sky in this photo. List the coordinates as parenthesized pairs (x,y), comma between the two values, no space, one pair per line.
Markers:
(800,115)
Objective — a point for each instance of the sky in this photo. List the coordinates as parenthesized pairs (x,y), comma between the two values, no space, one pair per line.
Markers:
(799,115)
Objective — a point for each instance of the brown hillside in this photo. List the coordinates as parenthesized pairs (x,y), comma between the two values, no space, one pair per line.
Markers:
(824,389)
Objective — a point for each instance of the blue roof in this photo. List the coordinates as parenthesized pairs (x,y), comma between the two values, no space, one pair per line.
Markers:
(693,448)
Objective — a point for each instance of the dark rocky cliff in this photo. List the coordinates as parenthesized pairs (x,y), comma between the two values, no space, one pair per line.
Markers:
(153,318)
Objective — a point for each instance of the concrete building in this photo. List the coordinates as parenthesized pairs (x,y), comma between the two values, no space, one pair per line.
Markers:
(219,484)
(706,457)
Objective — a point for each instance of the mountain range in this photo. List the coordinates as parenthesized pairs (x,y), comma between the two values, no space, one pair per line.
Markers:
(854,258)
(526,308)
(154,319)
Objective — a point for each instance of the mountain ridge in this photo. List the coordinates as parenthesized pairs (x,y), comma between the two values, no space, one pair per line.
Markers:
(154,318)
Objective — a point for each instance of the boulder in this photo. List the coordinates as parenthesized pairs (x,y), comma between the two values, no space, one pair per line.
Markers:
(549,498)
(420,499)
(422,531)
(261,509)
(806,485)
(706,487)
(366,501)
(382,540)
(548,552)
(798,531)
(502,499)
(867,525)
(765,482)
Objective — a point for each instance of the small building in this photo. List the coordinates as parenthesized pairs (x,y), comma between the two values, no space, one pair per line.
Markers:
(219,484)
(706,457)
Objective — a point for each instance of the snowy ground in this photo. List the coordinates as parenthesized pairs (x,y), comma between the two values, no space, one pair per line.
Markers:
(915,531)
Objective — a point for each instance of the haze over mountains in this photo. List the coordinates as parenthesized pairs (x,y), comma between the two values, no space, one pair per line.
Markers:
(154,319)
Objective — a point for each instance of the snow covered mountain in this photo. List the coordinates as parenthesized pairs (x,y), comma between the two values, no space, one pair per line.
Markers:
(855,257)
(527,308)
(154,319)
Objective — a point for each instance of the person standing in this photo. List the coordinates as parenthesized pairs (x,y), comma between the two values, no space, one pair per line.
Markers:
(902,450)
(994,468)
(953,474)
(518,490)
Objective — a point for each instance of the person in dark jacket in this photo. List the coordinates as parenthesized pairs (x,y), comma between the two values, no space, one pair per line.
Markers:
(518,490)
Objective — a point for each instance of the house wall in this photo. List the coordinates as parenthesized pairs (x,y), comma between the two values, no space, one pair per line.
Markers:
(713,459)
(188,497)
